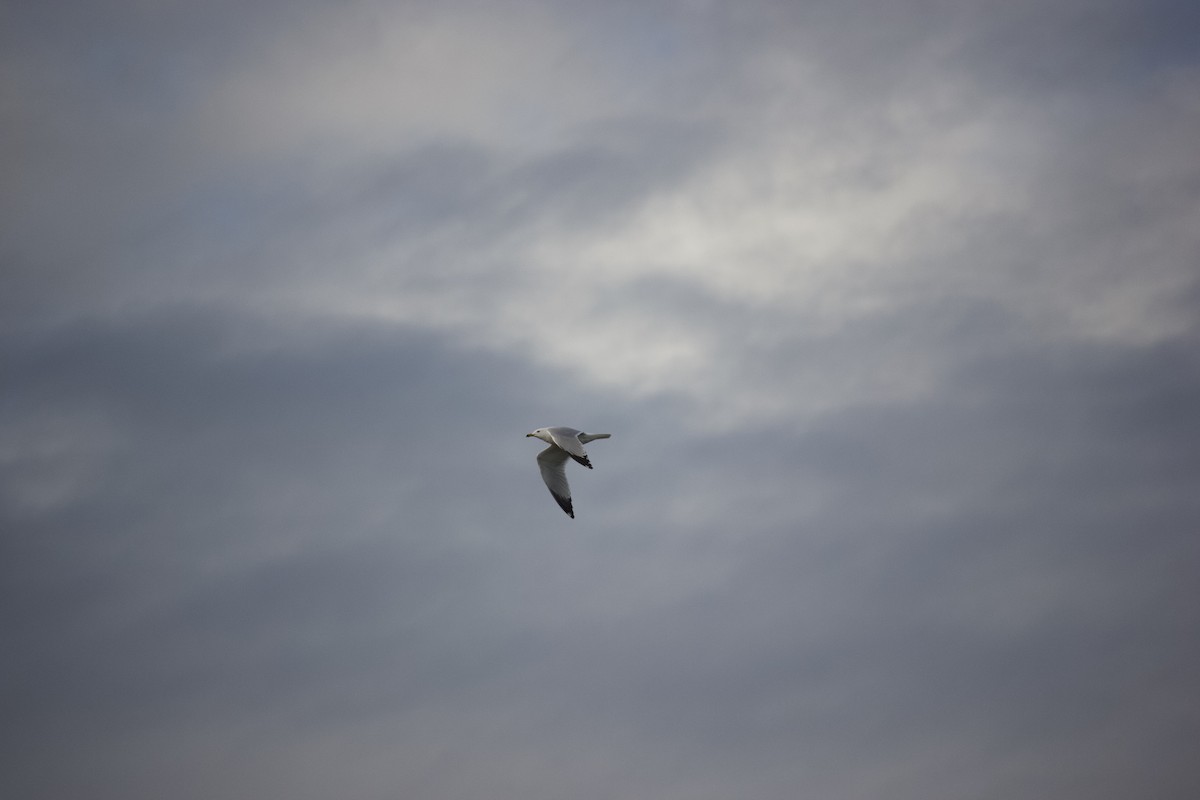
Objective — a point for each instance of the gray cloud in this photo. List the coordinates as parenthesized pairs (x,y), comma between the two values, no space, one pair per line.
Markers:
(891,310)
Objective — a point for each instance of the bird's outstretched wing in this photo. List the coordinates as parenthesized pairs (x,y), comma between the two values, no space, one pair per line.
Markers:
(553,463)
(568,440)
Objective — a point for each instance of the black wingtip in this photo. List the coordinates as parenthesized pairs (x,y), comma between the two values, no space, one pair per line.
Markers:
(565,504)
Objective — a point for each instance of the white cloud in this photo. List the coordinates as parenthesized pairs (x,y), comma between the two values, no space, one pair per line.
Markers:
(814,220)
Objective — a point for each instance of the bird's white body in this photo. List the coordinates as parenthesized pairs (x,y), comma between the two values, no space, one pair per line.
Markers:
(565,443)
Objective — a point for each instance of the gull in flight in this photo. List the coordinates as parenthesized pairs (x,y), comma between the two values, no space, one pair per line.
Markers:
(564,443)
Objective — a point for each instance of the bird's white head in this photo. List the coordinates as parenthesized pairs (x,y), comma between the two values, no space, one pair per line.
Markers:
(540,433)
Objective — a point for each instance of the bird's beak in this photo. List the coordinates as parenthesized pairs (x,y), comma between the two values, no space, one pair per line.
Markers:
(528,435)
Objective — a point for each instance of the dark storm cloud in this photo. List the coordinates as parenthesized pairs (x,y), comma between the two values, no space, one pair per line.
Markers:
(1005,570)
(178,577)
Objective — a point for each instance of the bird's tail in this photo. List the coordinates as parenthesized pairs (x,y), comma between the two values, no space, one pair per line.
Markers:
(589,437)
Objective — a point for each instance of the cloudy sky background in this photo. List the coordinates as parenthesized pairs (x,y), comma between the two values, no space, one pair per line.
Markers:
(892,310)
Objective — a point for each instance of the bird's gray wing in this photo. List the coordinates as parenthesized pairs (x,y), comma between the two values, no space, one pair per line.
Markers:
(568,440)
(553,463)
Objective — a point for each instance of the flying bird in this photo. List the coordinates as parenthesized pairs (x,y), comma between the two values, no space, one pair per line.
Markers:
(564,443)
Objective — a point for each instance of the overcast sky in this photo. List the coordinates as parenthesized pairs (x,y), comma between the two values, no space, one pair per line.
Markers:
(892,310)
